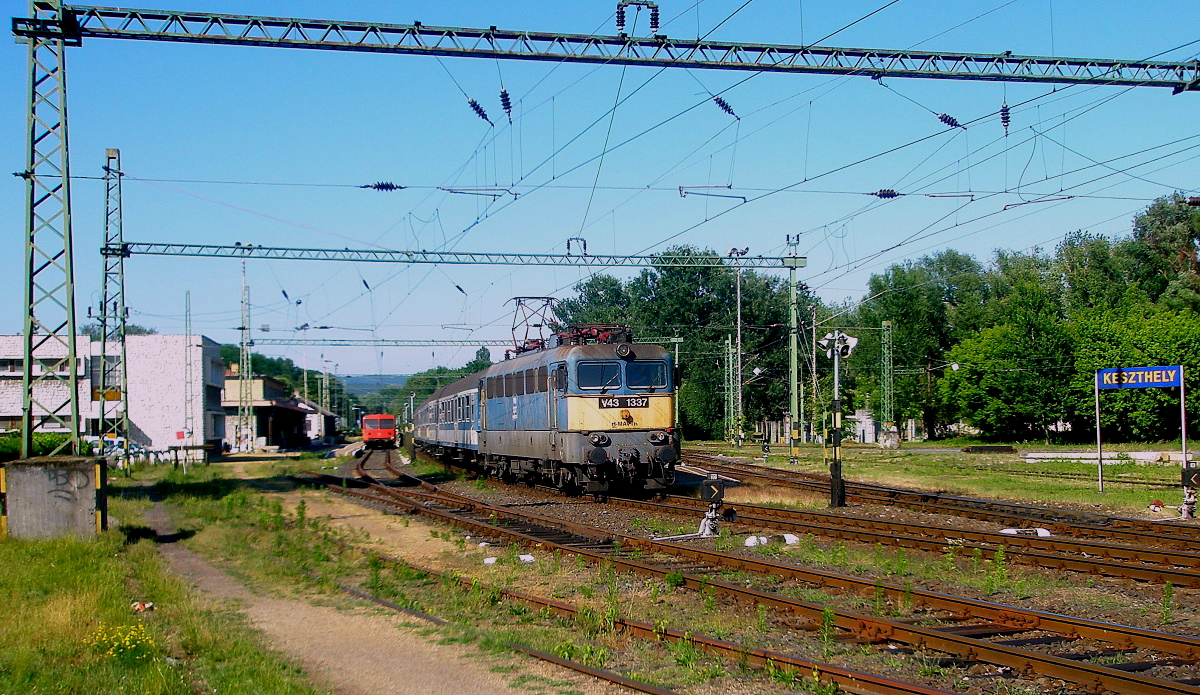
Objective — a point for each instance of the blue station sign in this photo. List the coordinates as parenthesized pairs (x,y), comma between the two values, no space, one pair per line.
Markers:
(1139,377)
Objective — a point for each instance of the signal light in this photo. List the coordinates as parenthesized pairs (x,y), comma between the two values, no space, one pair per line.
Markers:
(949,120)
(479,111)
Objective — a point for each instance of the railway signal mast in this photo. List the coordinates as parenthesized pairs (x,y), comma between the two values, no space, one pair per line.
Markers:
(53,26)
(837,345)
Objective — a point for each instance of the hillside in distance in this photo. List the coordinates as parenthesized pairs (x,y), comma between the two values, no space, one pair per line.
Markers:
(357,385)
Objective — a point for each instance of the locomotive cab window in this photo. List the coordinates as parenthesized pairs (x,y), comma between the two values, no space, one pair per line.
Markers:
(599,375)
(646,374)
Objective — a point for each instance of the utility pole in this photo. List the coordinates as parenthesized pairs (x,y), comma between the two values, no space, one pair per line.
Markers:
(887,377)
(739,410)
(675,378)
(729,389)
(112,314)
(815,397)
(245,424)
(792,261)
(189,380)
(837,345)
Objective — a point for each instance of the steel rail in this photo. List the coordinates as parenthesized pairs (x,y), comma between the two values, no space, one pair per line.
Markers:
(864,627)
(79,22)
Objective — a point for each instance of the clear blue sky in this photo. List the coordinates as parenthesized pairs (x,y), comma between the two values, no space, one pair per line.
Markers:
(217,113)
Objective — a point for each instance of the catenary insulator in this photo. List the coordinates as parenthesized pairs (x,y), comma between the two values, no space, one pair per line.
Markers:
(653,20)
(886,193)
(724,106)
(383,186)
(479,111)
(949,120)
(1005,117)
(620,19)
(506,103)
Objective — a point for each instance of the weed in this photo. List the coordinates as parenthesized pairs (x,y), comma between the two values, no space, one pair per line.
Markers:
(813,684)
(761,621)
(1168,606)
(997,576)
(780,674)
(674,579)
(684,651)
(301,514)
(586,654)
(126,644)
(976,560)
(826,632)
(880,600)
(950,558)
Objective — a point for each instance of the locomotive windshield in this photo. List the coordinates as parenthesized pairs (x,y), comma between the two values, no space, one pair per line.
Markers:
(599,375)
(379,420)
(646,374)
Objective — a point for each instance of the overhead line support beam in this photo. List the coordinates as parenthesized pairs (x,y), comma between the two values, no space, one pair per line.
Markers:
(444,257)
(79,22)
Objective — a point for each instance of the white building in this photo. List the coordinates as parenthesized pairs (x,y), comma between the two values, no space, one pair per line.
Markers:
(157,399)
(158,403)
(51,355)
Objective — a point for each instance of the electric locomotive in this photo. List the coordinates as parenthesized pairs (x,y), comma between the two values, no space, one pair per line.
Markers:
(594,414)
(379,431)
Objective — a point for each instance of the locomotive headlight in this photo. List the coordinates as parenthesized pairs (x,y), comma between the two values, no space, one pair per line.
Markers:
(658,437)
(599,439)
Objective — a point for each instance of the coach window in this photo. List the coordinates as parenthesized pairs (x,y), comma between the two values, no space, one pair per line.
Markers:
(519,382)
(646,374)
(541,379)
(530,381)
(599,375)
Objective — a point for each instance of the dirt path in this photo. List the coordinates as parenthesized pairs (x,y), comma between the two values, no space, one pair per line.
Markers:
(360,651)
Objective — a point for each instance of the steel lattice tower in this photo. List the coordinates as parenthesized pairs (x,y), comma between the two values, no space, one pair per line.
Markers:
(189,378)
(245,421)
(50,394)
(887,378)
(112,314)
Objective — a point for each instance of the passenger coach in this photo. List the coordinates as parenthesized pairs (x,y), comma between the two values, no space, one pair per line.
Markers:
(591,415)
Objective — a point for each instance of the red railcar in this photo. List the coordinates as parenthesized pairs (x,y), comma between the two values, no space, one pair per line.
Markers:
(379,431)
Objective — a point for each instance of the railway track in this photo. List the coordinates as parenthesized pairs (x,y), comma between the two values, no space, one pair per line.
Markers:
(977,631)
(1137,562)
(1059,521)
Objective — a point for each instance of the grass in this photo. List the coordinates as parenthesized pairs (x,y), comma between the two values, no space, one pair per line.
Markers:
(1000,476)
(67,626)
(262,541)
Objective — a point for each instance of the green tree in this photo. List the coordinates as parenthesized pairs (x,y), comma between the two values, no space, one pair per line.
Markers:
(1133,335)
(92,330)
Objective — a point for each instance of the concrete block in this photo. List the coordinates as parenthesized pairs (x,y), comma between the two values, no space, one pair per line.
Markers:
(55,496)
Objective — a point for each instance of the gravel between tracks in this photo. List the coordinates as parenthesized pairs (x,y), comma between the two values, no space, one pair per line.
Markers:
(1097,598)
